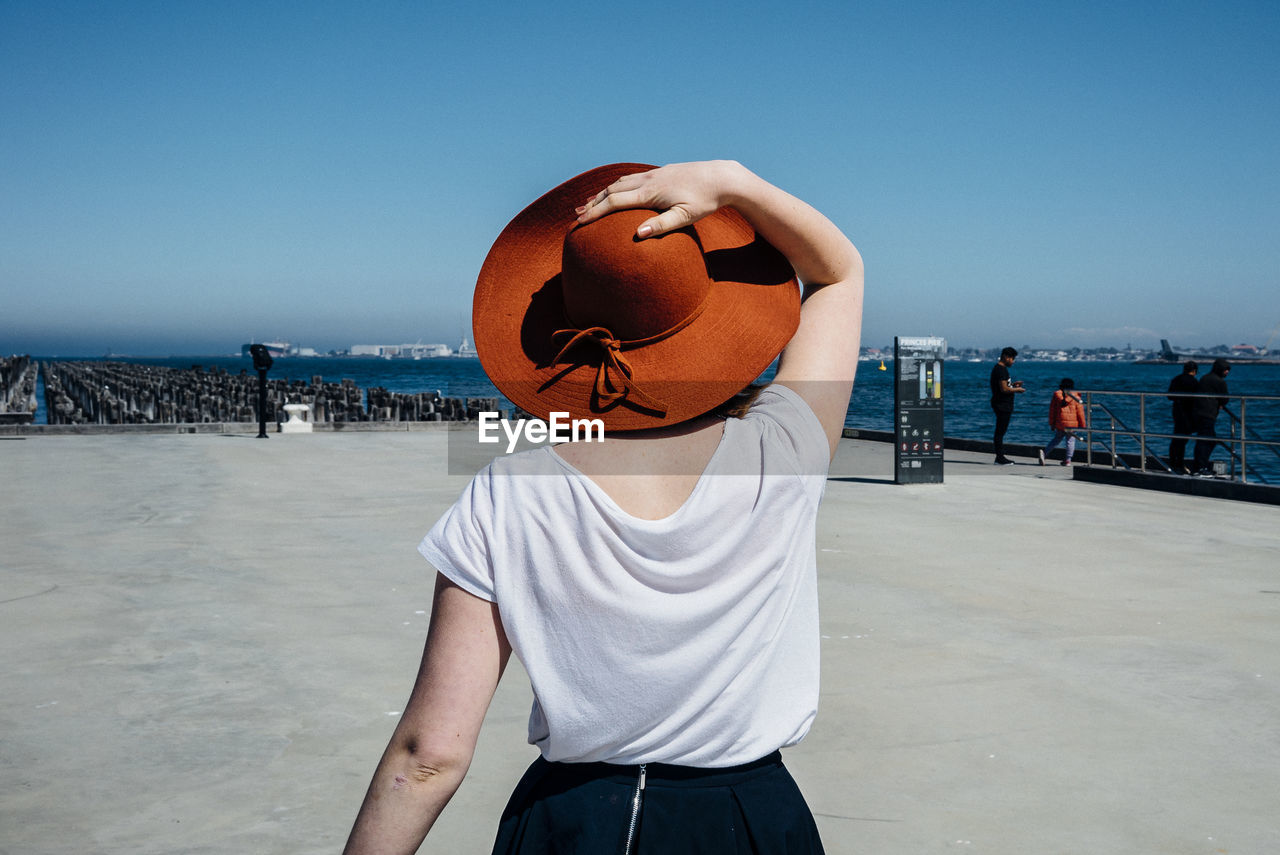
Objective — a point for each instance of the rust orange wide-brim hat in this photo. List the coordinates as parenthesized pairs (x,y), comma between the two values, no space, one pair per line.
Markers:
(593,322)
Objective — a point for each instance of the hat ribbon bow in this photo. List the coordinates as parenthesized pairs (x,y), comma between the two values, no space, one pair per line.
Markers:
(614,375)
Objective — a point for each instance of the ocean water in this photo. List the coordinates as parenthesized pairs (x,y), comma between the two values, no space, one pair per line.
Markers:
(967,412)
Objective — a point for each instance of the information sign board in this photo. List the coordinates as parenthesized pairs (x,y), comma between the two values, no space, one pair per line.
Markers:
(917,409)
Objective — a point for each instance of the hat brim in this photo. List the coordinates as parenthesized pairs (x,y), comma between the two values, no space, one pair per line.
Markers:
(752,311)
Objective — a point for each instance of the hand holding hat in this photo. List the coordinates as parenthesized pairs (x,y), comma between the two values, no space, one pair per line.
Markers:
(575,312)
(683,192)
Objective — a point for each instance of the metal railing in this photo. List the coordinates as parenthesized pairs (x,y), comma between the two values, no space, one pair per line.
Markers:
(1109,431)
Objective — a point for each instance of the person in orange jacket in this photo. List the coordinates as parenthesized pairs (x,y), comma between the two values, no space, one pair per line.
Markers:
(1066,416)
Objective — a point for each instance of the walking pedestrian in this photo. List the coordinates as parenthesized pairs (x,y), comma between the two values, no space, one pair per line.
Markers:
(1066,416)
(1183,415)
(1206,413)
(660,587)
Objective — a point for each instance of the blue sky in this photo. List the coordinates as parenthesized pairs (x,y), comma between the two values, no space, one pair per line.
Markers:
(181,177)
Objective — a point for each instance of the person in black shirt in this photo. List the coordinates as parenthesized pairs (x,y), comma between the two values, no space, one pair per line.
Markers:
(1206,412)
(1003,392)
(1183,418)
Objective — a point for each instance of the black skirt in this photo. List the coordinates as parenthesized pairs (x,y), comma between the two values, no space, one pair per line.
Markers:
(596,808)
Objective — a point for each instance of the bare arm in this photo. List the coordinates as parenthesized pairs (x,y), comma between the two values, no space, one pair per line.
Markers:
(821,359)
(431,748)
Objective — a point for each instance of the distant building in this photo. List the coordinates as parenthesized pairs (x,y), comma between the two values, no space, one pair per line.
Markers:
(402,351)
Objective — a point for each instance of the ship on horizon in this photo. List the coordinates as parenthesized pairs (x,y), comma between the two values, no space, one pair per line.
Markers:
(276,349)
(1240,353)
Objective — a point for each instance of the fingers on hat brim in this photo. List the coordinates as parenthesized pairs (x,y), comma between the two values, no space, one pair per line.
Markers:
(752,312)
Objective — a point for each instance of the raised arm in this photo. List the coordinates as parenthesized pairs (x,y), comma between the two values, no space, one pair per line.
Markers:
(821,359)
(432,746)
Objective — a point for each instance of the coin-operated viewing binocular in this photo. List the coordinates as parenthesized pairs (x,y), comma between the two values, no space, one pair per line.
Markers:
(261,361)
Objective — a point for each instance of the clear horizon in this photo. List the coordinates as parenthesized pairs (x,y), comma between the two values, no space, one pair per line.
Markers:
(183,178)
(1024,349)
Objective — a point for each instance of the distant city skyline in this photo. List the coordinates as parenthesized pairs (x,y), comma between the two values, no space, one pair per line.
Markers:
(182,178)
(886,345)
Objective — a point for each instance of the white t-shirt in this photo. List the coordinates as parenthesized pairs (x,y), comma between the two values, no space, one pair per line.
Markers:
(691,639)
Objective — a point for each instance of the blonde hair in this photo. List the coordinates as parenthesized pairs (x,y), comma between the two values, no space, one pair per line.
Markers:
(737,406)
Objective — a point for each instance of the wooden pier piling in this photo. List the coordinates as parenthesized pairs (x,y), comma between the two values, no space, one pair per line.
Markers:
(116,393)
(17,389)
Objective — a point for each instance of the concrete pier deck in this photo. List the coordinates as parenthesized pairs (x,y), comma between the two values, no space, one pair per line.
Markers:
(207,639)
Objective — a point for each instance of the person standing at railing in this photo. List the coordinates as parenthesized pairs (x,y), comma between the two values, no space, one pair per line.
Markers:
(1066,416)
(1183,414)
(1206,413)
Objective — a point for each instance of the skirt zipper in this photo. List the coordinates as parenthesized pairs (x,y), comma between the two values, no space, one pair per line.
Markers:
(636,800)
